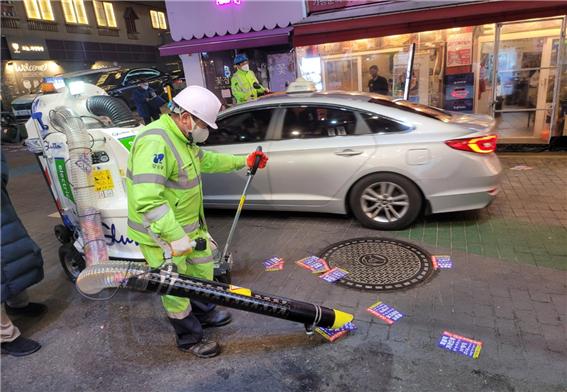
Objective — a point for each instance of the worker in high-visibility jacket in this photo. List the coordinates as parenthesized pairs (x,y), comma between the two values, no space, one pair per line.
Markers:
(243,84)
(165,204)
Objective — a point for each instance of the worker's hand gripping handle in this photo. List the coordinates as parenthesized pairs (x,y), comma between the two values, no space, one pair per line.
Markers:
(256,162)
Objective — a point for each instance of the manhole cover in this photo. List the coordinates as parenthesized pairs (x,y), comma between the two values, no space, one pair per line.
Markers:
(379,263)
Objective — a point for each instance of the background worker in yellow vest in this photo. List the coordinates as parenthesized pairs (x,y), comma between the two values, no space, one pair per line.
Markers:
(165,204)
(244,85)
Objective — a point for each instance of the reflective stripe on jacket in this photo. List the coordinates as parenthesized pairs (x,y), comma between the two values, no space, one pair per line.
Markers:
(242,86)
(163,182)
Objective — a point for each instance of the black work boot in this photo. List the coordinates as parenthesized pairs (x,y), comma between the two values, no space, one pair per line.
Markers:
(20,347)
(31,310)
(215,318)
(204,349)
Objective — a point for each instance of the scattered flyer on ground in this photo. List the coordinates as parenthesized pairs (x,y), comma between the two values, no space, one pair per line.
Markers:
(521,168)
(313,264)
(334,274)
(333,334)
(274,264)
(385,312)
(442,262)
(460,344)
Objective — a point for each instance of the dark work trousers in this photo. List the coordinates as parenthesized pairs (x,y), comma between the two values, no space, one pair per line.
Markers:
(189,330)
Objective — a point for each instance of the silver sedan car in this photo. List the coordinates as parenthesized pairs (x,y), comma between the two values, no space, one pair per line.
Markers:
(383,160)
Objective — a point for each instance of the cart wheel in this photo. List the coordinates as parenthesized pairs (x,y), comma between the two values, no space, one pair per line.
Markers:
(223,278)
(62,234)
(71,261)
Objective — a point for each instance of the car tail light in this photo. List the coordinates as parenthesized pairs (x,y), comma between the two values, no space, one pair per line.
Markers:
(480,145)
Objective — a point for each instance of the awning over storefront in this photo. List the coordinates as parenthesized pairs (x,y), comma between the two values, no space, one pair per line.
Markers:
(405,17)
(279,36)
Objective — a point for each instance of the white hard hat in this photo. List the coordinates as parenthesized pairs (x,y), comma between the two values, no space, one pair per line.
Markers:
(200,102)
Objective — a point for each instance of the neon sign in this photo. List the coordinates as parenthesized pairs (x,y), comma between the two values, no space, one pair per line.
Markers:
(222,3)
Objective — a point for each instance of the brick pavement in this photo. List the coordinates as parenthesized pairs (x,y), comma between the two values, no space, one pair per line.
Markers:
(517,308)
(527,223)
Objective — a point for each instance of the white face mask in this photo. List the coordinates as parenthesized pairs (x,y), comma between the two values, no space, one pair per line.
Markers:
(200,135)
(246,68)
(145,86)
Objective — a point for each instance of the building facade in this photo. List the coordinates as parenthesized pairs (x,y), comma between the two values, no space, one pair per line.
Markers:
(501,58)
(44,38)
(208,34)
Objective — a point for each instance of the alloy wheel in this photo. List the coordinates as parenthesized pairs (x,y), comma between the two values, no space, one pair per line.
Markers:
(385,202)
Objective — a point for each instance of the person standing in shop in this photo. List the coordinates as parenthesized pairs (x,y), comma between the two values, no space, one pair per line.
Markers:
(377,84)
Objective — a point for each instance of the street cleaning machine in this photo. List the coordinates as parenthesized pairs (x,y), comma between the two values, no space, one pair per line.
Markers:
(81,138)
(111,129)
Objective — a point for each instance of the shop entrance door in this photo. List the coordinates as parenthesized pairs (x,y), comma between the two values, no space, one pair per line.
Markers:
(525,68)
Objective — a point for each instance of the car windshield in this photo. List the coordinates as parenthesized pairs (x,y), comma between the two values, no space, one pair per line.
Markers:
(109,78)
(417,108)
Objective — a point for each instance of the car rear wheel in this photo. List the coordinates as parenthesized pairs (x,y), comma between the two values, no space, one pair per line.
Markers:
(385,201)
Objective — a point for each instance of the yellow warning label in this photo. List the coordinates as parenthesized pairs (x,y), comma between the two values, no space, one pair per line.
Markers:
(240,290)
(103,180)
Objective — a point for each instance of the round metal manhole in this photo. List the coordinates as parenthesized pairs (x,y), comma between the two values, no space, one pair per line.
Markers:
(379,264)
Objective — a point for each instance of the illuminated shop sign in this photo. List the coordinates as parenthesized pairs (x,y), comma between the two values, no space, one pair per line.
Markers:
(27,49)
(223,3)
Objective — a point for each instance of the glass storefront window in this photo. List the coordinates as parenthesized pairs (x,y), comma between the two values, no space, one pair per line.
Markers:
(273,66)
(526,70)
(461,69)
(341,74)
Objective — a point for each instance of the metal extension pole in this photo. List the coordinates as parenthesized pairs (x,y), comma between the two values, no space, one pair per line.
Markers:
(237,216)
(250,174)
(409,71)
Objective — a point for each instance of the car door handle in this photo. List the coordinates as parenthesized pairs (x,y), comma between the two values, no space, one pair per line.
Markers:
(348,153)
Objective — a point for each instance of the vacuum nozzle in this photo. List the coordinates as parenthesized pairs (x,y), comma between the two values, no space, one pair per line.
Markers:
(341,318)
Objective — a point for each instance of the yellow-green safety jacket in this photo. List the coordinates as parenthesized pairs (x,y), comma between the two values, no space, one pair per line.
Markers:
(242,86)
(163,182)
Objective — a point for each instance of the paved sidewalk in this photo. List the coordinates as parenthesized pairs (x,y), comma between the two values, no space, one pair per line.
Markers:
(508,288)
(527,223)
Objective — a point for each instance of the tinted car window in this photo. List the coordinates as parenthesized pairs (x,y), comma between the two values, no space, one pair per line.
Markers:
(305,122)
(379,124)
(134,76)
(247,127)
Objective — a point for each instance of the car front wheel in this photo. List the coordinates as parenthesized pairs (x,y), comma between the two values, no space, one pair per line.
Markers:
(385,201)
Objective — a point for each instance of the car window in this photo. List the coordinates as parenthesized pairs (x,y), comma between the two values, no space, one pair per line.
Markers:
(304,122)
(109,79)
(133,76)
(379,124)
(247,127)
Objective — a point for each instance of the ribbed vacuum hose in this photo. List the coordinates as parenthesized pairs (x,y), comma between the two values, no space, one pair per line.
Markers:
(138,276)
(79,145)
(111,274)
(114,108)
